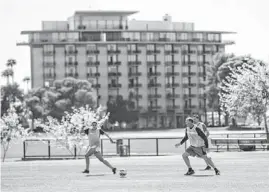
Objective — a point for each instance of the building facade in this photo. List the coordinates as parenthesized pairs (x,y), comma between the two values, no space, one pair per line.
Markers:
(159,65)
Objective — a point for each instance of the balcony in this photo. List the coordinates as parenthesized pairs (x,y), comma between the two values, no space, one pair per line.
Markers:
(71,63)
(153,62)
(150,74)
(154,96)
(172,107)
(169,52)
(111,74)
(154,85)
(135,85)
(149,52)
(70,52)
(204,52)
(172,96)
(116,86)
(49,53)
(171,63)
(188,52)
(154,108)
(93,63)
(189,107)
(114,63)
(49,64)
(202,96)
(169,85)
(90,52)
(201,85)
(93,75)
(113,52)
(50,75)
(96,86)
(134,74)
(186,85)
(134,63)
(187,96)
(135,96)
(134,52)
(172,74)
(186,74)
(71,74)
(201,74)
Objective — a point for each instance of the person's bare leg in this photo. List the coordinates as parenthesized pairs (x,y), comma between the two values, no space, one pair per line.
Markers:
(101,158)
(87,158)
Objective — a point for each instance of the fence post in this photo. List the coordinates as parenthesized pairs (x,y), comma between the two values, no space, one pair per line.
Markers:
(49,148)
(24,149)
(102,146)
(157,146)
(227,142)
(75,151)
(129,146)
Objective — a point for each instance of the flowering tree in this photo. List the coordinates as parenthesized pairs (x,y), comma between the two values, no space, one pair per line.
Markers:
(69,132)
(246,90)
(11,130)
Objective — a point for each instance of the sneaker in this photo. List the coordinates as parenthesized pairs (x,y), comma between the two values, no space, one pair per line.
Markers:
(190,172)
(86,171)
(208,168)
(217,171)
(114,170)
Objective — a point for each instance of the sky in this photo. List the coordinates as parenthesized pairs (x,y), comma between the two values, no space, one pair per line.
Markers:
(245,17)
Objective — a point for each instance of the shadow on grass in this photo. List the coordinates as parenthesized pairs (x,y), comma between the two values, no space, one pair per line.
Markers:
(95,175)
(202,175)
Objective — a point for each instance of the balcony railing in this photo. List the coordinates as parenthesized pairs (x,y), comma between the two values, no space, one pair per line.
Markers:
(154,74)
(201,85)
(153,62)
(134,63)
(49,64)
(172,74)
(47,53)
(50,75)
(172,107)
(154,85)
(113,51)
(168,52)
(188,52)
(135,96)
(190,107)
(113,63)
(114,85)
(171,63)
(186,74)
(154,108)
(71,74)
(134,74)
(202,96)
(71,63)
(135,85)
(201,74)
(186,96)
(154,96)
(110,74)
(93,74)
(172,96)
(70,52)
(93,63)
(186,85)
(153,52)
(134,51)
(89,52)
(172,85)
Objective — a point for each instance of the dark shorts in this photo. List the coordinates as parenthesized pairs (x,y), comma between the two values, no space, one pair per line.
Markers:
(196,151)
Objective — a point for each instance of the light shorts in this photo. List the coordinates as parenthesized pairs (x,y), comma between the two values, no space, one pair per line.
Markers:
(196,151)
(96,148)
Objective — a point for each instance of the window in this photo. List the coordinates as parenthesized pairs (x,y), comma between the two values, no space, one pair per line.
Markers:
(169,80)
(91,70)
(185,80)
(48,48)
(150,47)
(48,59)
(168,47)
(150,36)
(131,58)
(131,47)
(91,47)
(168,69)
(112,47)
(91,58)
(168,58)
(70,48)
(70,59)
(186,91)
(185,69)
(201,90)
(150,58)
(112,69)
(112,58)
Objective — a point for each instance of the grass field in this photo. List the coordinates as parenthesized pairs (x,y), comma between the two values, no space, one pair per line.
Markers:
(240,172)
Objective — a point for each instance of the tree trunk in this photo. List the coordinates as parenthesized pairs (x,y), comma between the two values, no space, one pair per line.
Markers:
(5,151)
(226,119)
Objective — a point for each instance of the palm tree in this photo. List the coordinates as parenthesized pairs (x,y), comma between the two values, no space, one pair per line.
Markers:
(27,80)
(6,74)
(10,63)
(214,79)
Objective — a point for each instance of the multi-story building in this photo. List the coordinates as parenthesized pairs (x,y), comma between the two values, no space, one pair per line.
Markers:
(160,65)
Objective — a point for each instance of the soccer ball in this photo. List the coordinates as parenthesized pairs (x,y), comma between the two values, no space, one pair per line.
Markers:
(123,173)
